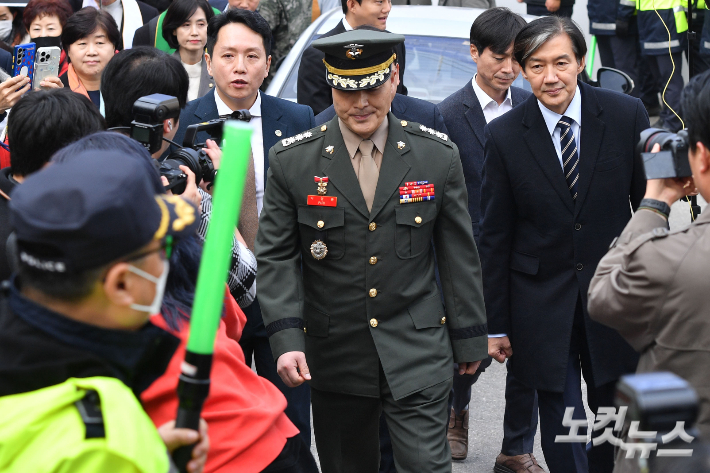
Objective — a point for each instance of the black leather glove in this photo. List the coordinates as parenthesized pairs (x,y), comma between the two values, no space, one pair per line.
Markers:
(622,27)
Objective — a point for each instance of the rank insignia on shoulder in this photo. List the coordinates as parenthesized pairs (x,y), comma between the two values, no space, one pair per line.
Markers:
(432,131)
(298,137)
(319,249)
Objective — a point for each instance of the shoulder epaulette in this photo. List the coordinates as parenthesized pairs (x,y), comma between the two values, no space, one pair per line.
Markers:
(300,138)
(422,130)
(638,242)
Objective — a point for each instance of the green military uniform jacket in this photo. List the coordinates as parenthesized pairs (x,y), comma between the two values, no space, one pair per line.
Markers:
(373,298)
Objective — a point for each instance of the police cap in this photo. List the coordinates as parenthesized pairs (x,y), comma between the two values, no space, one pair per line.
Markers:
(91,210)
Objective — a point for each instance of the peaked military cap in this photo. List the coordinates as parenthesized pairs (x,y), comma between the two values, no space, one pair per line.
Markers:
(358,59)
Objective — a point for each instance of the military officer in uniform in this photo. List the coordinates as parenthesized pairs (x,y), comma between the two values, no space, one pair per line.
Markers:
(346,268)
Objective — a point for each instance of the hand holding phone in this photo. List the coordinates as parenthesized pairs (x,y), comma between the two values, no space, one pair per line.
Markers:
(11,90)
(47,68)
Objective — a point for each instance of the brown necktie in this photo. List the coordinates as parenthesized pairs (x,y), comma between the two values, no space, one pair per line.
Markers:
(249,216)
(368,173)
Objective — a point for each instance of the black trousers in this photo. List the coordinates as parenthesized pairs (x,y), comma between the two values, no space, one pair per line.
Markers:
(661,67)
(541,10)
(294,458)
(575,457)
(520,417)
(255,344)
(347,430)
(624,53)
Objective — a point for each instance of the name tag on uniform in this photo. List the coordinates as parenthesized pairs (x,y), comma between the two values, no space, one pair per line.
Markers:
(322,200)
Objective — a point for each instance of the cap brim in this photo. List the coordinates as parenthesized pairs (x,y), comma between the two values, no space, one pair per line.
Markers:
(178,217)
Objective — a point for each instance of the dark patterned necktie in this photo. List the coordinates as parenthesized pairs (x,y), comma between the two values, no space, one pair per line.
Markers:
(570,156)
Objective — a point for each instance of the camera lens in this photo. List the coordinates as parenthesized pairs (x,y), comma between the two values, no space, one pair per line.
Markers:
(170,168)
(652,136)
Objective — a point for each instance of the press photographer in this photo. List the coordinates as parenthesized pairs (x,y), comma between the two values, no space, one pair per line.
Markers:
(652,285)
(136,73)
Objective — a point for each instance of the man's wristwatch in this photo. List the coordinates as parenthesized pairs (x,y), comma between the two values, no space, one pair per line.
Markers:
(657,206)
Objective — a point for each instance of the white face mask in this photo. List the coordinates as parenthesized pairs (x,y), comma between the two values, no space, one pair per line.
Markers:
(5,28)
(155,306)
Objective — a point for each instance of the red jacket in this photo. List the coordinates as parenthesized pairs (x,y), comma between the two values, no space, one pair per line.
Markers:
(245,413)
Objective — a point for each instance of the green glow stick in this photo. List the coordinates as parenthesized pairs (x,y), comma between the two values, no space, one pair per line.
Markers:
(217,254)
(592,53)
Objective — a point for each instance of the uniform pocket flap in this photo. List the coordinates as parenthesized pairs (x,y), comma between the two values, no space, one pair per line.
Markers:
(524,263)
(415,215)
(321,218)
(428,313)
(315,322)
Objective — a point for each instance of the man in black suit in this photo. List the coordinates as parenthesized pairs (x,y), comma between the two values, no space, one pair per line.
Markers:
(487,96)
(238,57)
(551,204)
(313,88)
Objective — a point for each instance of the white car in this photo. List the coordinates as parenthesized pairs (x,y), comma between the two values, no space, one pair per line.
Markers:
(438,50)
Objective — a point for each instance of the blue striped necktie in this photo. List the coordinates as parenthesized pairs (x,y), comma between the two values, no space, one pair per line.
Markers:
(570,156)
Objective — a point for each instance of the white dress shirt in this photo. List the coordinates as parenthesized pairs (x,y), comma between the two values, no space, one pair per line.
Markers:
(574,111)
(346,25)
(491,109)
(257,143)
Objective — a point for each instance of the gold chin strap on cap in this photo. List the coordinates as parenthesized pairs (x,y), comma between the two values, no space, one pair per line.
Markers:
(360,72)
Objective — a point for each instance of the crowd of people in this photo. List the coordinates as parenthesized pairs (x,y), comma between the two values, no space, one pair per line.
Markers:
(388,249)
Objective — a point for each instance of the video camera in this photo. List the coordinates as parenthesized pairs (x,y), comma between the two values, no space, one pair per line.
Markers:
(660,402)
(671,161)
(147,128)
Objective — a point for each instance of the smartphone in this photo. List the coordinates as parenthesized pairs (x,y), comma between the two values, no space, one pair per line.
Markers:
(23,61)
(46,64)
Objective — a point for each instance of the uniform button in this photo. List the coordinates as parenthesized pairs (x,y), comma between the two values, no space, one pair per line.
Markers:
(320,224)
(373,323)
(373,292)
(372,226)
(417,220)
(304,330)
(579,266)
(577,226)
(443,320)
(373,260)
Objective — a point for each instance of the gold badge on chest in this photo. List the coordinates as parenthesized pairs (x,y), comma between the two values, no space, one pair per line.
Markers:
(319,249)
(322,184)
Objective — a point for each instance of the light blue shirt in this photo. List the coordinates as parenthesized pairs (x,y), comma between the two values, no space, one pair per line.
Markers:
(574,111)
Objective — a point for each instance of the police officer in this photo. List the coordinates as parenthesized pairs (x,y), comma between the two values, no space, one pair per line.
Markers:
(76,347)
(614,24)
(661,52)
(346,268)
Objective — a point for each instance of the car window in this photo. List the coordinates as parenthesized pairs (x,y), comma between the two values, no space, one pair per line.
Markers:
(436,67)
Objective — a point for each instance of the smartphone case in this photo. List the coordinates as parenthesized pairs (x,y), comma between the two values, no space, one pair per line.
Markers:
(46,64)
(23,61)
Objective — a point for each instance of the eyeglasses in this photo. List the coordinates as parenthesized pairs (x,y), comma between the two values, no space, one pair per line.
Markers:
(165,249)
